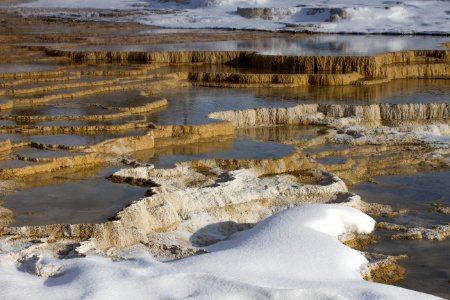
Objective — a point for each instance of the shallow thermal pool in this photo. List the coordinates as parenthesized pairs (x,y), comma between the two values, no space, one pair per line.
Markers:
(88,197)
(84,197)
(248,144)
(70,139)
(191,105)
(26,67)
(428,265)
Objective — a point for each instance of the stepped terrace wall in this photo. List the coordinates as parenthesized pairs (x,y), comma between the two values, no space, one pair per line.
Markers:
(368,66)
(316,114)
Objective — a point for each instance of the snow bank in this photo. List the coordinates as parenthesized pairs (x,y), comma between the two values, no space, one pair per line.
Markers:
(294,254)
(349,16)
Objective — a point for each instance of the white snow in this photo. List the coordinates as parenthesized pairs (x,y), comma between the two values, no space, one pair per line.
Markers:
(377,16)
(294,254)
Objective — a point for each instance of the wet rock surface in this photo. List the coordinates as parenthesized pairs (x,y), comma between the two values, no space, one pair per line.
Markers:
(6,216)
(441,208)
(264,13)
(441,232)
(384,268)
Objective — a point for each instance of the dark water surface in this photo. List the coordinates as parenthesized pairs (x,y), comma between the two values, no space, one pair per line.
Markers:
(26,67)
(84,197)
(191,105)
(428,265)
(237,148)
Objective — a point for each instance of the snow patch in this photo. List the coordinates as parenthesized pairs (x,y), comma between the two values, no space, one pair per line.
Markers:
(350,16)
(294,254)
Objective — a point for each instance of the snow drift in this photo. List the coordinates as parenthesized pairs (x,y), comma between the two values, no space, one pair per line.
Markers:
(294,254)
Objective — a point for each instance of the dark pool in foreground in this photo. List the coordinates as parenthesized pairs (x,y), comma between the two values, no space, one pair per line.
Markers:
(70,198)
(428,265)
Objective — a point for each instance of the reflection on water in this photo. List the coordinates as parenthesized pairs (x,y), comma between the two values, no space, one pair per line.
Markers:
(14,163)
(84,197)
(191,105)
(332,160)
(295,45)
(41,153)
(22,67)
(250,143)
(66,110)
(428,265)
(23,86)
(279,133)
(126,120)
(128,98)
(396,91)
(238,148)
(69,139)
(415,192)
(325,148)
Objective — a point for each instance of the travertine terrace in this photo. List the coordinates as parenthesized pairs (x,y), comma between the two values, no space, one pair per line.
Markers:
(198,203)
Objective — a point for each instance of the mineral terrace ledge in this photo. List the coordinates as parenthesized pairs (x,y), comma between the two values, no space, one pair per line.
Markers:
(403,64)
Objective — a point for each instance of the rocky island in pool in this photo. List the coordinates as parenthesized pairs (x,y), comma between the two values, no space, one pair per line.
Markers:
(149,151)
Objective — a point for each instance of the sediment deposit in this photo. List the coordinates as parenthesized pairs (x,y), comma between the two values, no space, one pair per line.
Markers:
(384,268)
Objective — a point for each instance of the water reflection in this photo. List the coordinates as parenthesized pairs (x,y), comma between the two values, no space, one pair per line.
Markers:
(191,105)
(81,197)
(229,148)
(428,265)
(22,67)
(296,45)
(70,139)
